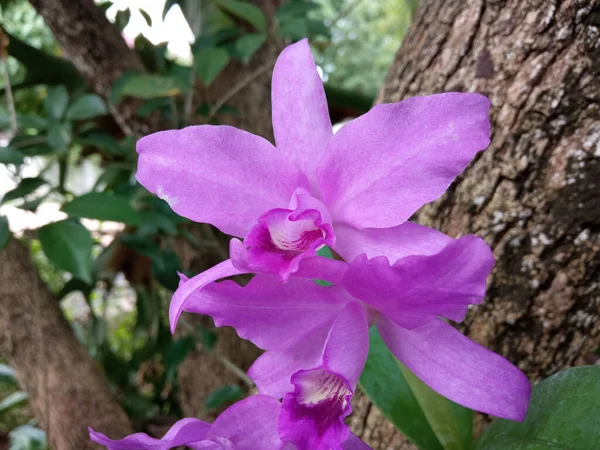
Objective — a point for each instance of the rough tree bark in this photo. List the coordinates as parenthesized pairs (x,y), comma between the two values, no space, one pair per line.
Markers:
(66,387)
(534,195)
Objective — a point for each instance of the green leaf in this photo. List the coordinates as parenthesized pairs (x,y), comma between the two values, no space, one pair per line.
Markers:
(146,17)
(13,400)
(7,375)
(293,9)
(60,135)
(85,107)
(74,285)
(104,6)
(563,415)
(412,5)
(139,407)
(4,232)
(101,140)
(246,11)
(68,245)
(248,44)
(383,381)
(56,101)
(215,39)
(10,155)
(33,204)
(176,353)
(152,56)
(25,187)
(168,5)
(147,86)
(27,437)
(154,222)
(165,262)
(111,177)
(318,28)
(451,423)
(165,265)
(222,396)
(122,18)
(143,244)
(296,28)
(152,105)
(32,121)
(209,63)
(207,338)
(36,148)
(204,110)
(326,253)
(103,206)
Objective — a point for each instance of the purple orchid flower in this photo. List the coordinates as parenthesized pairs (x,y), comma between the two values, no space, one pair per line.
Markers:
(352,191)
(250,424)
(316,338)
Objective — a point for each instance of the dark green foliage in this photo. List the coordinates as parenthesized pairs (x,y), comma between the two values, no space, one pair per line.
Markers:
(223,396)
(563,414)
(245,11)
(103,206)
(68,245)
(7,375)
(24,188)
(4,232)
(210,62)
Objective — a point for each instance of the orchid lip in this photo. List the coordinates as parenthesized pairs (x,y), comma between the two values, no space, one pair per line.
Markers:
(313,414)
(282,238)
(299,240)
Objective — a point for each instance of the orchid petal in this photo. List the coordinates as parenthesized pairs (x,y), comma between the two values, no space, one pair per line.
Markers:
(394,243)
(354,443)
(301,122)
(380,168)
(312,416)
(458,368)
(185,432)
(303,200)
(417,288)
(322,268)
(217,174)
(188,287)
(250,424)
(271,314)
(273,370)
(239,256)
(347,345)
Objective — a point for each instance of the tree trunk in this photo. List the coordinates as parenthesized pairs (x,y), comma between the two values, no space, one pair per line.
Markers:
(534,195)
(67,389)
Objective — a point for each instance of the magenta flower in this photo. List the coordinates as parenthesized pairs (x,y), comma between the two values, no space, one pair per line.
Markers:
(250,424)
(353,191)
(317,338)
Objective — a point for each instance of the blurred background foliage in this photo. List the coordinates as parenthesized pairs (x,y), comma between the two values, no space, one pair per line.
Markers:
(103,245)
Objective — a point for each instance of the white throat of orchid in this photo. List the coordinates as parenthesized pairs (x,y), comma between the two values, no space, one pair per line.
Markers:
(320,386)
(295,237)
